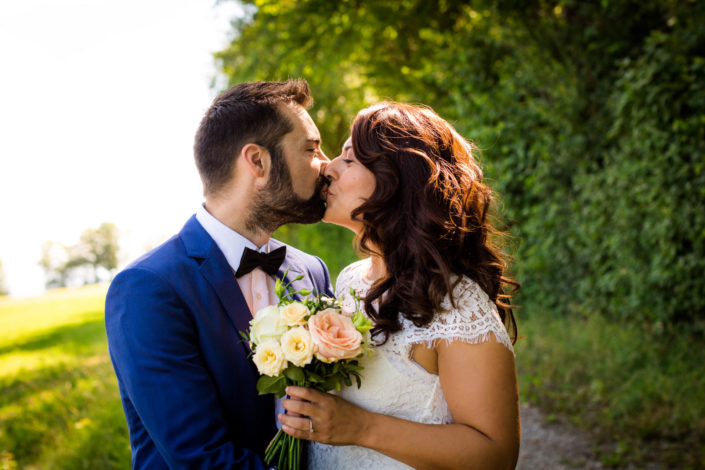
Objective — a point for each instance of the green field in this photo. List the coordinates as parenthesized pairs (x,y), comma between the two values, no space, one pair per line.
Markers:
(59,406)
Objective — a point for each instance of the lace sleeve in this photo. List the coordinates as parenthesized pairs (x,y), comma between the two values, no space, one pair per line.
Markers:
(473,320)
(352,276)
(342,283)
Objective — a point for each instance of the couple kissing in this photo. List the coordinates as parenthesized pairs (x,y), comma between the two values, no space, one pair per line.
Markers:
(441,390)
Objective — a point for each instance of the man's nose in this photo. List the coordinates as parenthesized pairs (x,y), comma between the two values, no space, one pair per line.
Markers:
(324,157)
(324,163)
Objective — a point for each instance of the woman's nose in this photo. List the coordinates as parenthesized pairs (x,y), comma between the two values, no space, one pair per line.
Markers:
(330,171)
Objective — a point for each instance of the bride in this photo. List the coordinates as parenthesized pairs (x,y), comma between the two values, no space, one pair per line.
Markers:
(440,390)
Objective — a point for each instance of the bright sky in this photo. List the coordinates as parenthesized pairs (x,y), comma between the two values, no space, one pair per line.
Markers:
(99,102)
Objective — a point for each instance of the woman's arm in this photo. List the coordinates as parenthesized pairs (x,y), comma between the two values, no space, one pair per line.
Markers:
(479,384)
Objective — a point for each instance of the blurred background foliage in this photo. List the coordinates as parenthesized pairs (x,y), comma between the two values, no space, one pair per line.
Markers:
(591,120)
(93,259)
(591,117)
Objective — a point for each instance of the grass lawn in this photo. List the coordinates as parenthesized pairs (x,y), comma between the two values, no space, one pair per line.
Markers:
(59,406)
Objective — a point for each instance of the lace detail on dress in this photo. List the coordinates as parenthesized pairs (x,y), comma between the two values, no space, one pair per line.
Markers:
(395,385)
(474,319)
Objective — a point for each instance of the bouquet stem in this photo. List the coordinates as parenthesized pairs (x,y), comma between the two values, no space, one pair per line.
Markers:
(284,451)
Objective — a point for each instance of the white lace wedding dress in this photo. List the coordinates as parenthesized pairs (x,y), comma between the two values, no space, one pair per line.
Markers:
(393,384)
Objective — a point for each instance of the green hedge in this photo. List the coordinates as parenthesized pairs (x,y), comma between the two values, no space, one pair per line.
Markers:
(590,116)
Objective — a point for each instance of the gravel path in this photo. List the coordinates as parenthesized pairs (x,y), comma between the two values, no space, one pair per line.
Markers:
(552,446)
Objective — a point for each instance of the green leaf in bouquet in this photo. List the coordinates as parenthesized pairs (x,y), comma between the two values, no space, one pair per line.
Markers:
(361,322)
(276,385)
(354,367)
(279,288)
(304,292)
(321,368)
(330,383)
(294,373)
(313,377)
(358,379)
(347,381)
(299,277)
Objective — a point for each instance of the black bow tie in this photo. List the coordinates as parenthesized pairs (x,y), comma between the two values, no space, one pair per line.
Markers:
(269,262)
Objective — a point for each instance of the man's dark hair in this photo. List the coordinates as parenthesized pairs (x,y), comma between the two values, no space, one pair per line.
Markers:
(246,113)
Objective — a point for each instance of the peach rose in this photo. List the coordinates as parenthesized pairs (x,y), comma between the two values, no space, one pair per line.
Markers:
(334,335)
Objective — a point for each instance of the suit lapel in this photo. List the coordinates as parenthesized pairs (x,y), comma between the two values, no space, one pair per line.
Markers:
(217,272)
(294,270)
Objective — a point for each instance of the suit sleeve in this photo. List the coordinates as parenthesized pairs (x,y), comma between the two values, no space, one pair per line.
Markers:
(327,286)
(154,348)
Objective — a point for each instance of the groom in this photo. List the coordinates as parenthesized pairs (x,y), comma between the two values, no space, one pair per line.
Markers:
(173,316)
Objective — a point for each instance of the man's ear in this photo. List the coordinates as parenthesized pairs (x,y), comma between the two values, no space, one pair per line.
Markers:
(256,159)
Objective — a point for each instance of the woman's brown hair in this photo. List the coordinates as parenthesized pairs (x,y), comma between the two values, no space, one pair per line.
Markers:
(427,217)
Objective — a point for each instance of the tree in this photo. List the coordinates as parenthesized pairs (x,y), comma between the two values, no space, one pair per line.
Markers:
(93,258)
(3,287)
(98,249)
(589,114)
(55,261)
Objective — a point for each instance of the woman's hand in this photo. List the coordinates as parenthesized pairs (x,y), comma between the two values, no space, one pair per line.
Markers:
(325,418)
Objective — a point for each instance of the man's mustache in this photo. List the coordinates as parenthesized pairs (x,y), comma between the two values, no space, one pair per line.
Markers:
(322,184)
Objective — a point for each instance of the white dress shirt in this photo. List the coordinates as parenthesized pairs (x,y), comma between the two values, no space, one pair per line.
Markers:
(257,287)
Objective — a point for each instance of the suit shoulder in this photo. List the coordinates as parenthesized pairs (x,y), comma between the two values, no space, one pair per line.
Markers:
(162,258)
(301,257)
(292,250)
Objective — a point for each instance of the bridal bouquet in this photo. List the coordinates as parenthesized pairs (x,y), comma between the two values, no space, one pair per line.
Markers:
(308,343)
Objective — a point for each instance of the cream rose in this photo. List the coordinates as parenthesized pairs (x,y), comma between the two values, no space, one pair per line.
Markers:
(267,325)
(294,313)
(298,346)
(269,358)
(334,335)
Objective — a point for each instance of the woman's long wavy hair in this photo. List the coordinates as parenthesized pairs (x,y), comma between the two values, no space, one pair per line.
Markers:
(427,217)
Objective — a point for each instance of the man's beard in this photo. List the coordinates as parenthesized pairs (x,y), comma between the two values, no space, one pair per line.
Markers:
(277,204)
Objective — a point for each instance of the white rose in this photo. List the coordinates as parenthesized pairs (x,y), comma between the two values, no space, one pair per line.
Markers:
(269,358)
(267,325)
(294,313)
(298,346)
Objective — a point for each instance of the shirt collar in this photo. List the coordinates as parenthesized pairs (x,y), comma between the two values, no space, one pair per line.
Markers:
(231,243)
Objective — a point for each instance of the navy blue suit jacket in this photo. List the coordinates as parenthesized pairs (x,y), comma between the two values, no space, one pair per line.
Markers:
(186,383)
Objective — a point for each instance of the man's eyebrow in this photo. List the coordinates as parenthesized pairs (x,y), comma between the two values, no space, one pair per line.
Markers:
(314,141)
